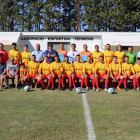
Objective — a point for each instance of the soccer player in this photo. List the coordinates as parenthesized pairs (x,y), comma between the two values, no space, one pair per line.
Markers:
(96,54)
(131,55)
(62,53)
(25,56)
(44,73)
(101,72)
(68,71)
(108,54)
(32,69)
(115,73)
(14,53)
(120,54)
(56,72)
(78,68)
(12,73)
(84,54)
(127,69)
(88,70)
(3,54)
(137,72)
(50,53)
(72,54)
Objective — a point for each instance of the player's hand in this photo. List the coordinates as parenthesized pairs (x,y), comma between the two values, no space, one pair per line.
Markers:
(48,55)
(10,76)
(125,76)
(59,75)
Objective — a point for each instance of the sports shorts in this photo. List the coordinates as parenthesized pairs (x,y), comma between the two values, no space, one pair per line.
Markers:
(45,76)
(78,76)
(101,76)
(7,76)
(32,77)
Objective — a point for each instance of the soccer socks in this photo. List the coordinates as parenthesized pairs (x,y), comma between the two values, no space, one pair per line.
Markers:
(63,81)
(125,82)
(110,82)
(106,83)
(137,82)
(121,80)
(70,81)
(134,82)
(49,82)
(59,82)
(93,82)
(73,81)
(53,80)
(86,82)
(42,82)
(38,81)
(82,82)
(97,83)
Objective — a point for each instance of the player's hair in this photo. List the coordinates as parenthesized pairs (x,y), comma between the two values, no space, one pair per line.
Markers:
(130,47)
(66,56)
(22,64)
(15,44)
(107,44)
(84,45)
(26,45)
(96,46)
(38,44)
(119,45)
(127,57)
(46,56)
(78,55)
(101,56)
(73,44)
(115,57)
(138,58)
(50,45)
(34,55)
(1,44)
(61,43)
(89,56)
(57,56)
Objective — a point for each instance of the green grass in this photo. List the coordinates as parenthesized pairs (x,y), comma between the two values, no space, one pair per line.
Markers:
(115,116)
(41,115)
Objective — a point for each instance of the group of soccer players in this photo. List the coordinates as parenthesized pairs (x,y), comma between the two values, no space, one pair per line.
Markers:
(107,65)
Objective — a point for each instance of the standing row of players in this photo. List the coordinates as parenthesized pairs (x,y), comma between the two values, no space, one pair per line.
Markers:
(76,72)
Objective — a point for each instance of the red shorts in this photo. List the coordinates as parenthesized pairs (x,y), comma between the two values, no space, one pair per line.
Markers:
(32,77)
(129,76)
(101,76)
(89,75)
(7,76)
(78,76)
(45,76)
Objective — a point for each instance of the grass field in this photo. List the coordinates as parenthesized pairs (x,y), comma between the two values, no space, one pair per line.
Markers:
(59,115)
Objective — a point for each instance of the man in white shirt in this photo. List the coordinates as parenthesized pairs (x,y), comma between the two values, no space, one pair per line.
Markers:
(72,54)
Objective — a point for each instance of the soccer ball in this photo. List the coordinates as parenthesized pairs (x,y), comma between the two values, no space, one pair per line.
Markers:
(26,88)
(78,90)
(111,90)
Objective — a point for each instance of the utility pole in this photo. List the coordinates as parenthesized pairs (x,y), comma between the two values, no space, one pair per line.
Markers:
(78,2)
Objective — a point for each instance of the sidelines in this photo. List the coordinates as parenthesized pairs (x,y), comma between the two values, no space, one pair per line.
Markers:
(89,124)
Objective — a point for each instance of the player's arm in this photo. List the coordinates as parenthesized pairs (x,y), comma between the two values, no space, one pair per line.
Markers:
(84,69)
(132,70)
(107,68)
(40,69)
(123,72)
(96,70)
(110,71)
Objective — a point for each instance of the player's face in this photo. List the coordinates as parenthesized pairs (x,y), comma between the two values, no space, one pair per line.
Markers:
(66,59)
(130,50)
(50,47)
(78,58)
(12,61)
(108,47)
(46,59)
(25,48)
(126,59)
(73,47)
(114,59)
(85,47)
(96,48)
(119,48)
(101,59)
(1,47)
(138,61)
(37,47)
(56,59)
(89,59)
(33,58)
(14,47)
(61,46)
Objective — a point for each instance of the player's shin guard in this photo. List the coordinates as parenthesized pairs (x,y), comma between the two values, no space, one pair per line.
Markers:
(125,82)
(70,80)
(137,81)
(93,82)
(73,81)
(120,82)
(134,82)
(106,83)
(82,82)
(49,82)
(53,80)
(110,82)
(42,83)
(86,82)
(63,79)
(97,83)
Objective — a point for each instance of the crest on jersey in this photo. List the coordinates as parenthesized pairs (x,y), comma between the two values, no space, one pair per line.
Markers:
(58,66)
(110,53)
(129,66)
(91,66)
(133,56)
(36,65)
(16,53)
(103,66)
(48,66)
(28,55)
(80,66)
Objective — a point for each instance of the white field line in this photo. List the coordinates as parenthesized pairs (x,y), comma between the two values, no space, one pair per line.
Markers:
(89,124)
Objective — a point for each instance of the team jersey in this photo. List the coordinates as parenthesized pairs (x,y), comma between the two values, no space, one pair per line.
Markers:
(115,69)
(4,56)
(23,72)
(72,56)
(84,55)
(88,68)
(96,56)
(33,67)
(57,67)
(132,58)
(78,68)
(127,68)
(120,56)
(137,69)
(16,55)
(44,68)
(25,56)
(62,54)
(101,68)
(108,56)
(68,68)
